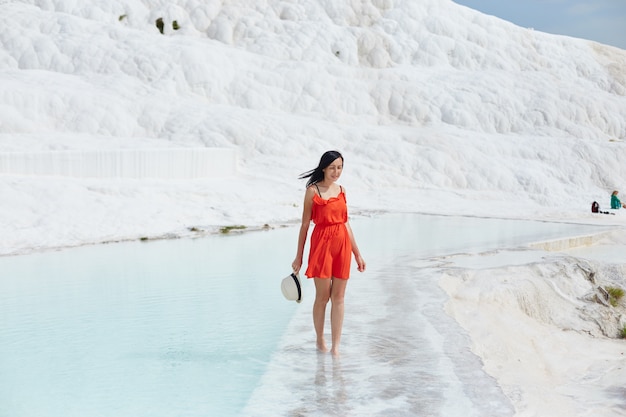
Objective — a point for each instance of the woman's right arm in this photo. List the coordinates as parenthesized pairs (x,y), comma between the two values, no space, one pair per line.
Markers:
(304,228)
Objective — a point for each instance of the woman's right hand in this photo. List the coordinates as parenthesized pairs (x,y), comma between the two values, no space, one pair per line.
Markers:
(296,265)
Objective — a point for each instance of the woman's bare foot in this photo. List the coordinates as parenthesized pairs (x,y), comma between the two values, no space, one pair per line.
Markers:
(335,352)
(321,346)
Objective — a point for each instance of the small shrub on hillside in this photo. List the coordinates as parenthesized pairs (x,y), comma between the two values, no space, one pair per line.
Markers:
(615,295)
(227,229)
(159,24)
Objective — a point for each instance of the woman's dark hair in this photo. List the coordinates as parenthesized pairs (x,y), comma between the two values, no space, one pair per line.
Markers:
(316,174)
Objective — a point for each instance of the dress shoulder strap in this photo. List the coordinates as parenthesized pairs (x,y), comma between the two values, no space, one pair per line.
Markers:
(318,190)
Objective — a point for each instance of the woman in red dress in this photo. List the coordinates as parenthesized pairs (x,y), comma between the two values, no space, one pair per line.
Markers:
(332,245)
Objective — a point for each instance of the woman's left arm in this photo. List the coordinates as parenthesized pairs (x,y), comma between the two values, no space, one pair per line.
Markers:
(355,250)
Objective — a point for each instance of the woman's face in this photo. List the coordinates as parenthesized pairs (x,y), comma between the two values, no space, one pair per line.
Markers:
(333,171)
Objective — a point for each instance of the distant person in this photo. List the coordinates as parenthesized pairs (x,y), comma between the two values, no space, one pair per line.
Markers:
(332,245)
(615,201)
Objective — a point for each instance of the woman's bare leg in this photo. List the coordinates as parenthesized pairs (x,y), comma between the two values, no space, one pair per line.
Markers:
(337,293)
(322,295)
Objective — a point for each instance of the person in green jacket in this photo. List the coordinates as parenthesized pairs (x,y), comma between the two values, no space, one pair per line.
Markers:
(615,201)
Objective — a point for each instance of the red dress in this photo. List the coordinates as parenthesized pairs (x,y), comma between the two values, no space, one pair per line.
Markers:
(331,249)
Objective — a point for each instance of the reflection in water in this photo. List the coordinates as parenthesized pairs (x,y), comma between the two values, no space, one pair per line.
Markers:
(330,389)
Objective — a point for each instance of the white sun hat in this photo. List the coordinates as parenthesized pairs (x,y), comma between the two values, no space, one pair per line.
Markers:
(291,287)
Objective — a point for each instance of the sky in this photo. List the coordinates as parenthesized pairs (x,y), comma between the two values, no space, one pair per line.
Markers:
(603,21)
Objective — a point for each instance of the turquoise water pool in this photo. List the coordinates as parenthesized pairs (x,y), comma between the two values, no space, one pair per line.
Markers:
(182,327)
